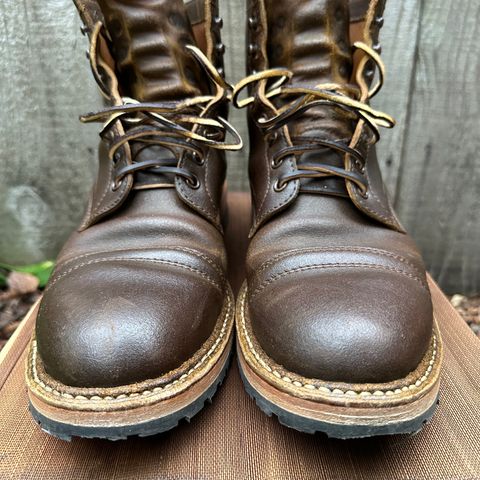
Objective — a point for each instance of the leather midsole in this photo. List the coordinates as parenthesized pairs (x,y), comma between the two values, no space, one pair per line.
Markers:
(402,391)
(137,415)
(127,397)
(335,414)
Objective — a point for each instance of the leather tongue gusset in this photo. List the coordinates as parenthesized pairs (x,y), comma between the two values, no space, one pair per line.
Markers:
(311,39)
(148,45)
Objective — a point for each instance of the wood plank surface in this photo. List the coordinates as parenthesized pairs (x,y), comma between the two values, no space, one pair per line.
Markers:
(399,45)
(430,161)
(47,159)
(438,183)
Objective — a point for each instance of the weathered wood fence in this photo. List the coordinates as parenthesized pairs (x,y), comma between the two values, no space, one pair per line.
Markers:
(430,161)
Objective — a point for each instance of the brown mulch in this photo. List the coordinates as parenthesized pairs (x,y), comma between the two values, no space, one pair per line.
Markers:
(469,309)
(15,301)
(22,292)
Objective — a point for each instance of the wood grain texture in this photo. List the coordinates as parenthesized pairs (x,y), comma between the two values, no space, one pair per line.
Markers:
(438,182)
(399,45)
(430,160)
(47,158)
(234,15)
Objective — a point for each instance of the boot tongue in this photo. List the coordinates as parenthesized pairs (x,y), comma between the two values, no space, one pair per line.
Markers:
(311,39)
(148,46)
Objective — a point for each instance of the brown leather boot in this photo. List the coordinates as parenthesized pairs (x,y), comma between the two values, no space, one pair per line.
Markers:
(134,329)
(335,324)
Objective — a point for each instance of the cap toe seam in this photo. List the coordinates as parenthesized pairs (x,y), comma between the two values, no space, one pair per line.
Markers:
(137,259)
(323,266)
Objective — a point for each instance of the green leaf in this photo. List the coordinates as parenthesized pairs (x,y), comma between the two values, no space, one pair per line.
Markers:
(41,270)
(3,280)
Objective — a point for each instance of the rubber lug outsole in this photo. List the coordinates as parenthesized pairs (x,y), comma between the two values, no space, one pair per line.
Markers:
(343,432)
(66,431)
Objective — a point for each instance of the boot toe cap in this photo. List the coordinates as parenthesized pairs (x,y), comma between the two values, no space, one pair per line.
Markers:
(355,325)
(117,323)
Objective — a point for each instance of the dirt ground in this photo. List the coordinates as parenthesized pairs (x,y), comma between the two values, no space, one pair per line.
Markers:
(22,292)
(469,309)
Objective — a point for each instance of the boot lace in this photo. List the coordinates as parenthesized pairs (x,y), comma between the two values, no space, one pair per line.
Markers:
(353,100)
(181,127)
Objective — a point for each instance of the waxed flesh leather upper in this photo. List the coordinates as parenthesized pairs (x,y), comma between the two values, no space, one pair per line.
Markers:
(336,290)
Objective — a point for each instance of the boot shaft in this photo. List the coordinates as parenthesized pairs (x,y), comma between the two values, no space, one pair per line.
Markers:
(320,66)
(165,95)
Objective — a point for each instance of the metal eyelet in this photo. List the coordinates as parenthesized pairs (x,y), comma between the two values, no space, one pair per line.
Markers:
(379,21)
(218,21)
(369,73)
(115,185)
(279,186)
(364,194)
(220,48)
(193,182)
(275,164)
(253,23)
(253,50)
(199,160)
(272,138)
(359,166)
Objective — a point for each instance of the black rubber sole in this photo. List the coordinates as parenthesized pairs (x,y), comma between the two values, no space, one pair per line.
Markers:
(332,430)
(66,431)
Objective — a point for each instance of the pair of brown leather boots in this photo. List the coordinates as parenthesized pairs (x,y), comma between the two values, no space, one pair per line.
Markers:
(334,323)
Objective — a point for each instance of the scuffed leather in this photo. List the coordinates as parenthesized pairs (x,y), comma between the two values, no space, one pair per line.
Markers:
(336,290)
(358,9)
(140,287)
(335,296)
(298,36)
(133,296)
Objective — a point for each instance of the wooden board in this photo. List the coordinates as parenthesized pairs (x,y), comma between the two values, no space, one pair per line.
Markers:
(430,160)
(233,440)
(47,159)
(437,192)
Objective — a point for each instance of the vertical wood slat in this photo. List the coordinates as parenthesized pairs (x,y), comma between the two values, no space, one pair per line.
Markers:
(430,160)
(47,159)
(437,182)
(234,13)
(398,38)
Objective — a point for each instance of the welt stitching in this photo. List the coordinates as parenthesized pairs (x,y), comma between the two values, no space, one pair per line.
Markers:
(143,393)
(139,259)
(307,384)
(334,265)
